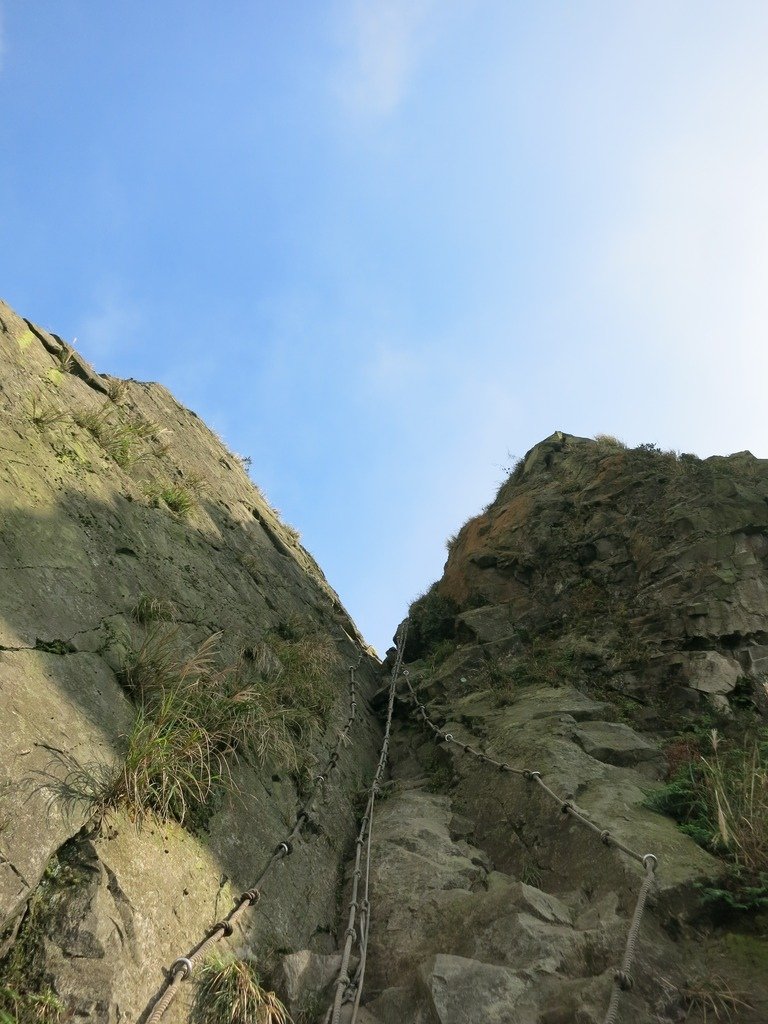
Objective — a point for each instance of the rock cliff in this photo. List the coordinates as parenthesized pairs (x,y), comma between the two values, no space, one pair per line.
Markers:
(594,624)
(135,552)
(587,678)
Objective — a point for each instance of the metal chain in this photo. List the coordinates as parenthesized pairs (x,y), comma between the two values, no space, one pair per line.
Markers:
(344,984)
(622,978)
(183,967)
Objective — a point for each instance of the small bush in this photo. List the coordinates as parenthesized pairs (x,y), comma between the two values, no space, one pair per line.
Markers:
(720,799)
(432,621)
(608,443)
(230,991)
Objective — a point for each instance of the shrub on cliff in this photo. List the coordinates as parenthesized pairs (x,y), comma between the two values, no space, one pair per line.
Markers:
(432,620)
(194,715)
(720,798)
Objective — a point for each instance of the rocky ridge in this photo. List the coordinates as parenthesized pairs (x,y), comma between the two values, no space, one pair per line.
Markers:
(123,518)
(606,601)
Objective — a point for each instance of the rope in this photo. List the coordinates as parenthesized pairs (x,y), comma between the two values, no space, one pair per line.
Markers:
(622,980)
(183,967)
(344,985)
(622,977)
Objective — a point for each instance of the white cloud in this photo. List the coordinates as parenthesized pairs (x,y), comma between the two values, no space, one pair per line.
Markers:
(383,40)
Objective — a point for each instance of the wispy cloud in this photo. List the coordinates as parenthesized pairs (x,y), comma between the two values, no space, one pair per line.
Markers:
(383,41)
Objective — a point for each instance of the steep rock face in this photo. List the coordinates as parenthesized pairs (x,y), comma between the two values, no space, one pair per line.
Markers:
(123,520)
(604,602)
(663,559)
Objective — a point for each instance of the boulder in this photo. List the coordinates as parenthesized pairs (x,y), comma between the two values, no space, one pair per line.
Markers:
(614,743)
(462,991)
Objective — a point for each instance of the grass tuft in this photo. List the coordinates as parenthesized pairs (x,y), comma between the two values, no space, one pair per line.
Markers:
(117,390)
(181,497)
(44,416)
(195,715)
(714,999)
(230,991)
(123,439)
(17,1007)
(152,609)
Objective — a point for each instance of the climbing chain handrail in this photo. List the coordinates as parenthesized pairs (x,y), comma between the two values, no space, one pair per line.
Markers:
(622,980)
(348,989)
(183,966)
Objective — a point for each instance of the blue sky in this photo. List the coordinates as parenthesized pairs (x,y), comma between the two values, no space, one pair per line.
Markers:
(384,246)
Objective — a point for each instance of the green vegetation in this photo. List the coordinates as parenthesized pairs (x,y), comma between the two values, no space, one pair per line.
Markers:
(44,416)
(195,715)
(182,497)
(25,995)
(123,438)
(64,358)
(26,1007)
(720,799)
(230,991)
(432,621)
(437,768)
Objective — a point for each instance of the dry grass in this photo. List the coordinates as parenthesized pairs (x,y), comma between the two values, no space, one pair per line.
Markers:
(195,714)
(713,999)
(735,785)
(117,390)
(123,439)
(151,609)
(230,992)
(44,416)
(609,443)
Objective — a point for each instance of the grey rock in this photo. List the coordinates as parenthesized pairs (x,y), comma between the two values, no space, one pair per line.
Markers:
(485,625)
(304,974)
(711,672)
(459,990)
(614,743)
